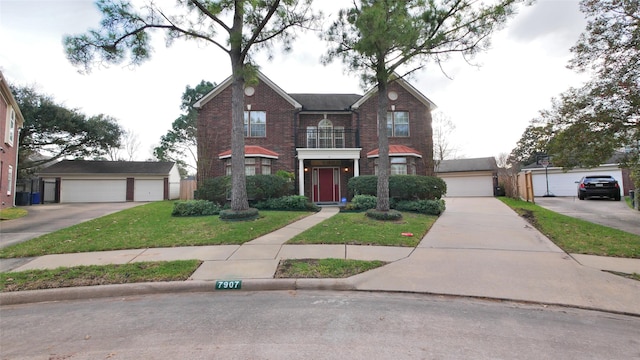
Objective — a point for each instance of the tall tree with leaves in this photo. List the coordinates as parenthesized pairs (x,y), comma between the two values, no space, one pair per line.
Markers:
(534,142)
(53,132)
(246,25)
(603,116)
(384,39)
(179,144)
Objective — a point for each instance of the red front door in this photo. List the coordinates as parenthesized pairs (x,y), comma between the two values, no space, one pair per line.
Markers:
(325,185)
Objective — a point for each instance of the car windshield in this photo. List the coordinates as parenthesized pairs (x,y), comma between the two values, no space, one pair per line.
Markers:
(598,178)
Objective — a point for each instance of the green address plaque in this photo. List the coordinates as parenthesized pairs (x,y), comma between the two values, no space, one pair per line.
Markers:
(228,284)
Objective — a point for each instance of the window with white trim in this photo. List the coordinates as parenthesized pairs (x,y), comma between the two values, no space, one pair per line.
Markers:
(252,166)
(312,137)
(10,124)
(9,179)
(399,165)
(398,123)
(255,123)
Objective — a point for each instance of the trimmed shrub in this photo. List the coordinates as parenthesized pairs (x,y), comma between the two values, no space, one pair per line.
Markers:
(195,208)
(401,187)
(429,207)
(363,185)
(259,188)
(363,202)
(216,189)
(390,215)
(412,187)
(293,202)
(262,187)
(245,215)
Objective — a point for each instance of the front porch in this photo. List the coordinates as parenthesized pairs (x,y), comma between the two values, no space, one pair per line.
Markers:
(323,173)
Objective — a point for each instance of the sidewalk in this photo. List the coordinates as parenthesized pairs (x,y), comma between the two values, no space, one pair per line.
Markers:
(478,247)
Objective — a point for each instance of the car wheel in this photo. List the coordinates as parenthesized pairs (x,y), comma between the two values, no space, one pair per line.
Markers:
(580,196)
(617,198)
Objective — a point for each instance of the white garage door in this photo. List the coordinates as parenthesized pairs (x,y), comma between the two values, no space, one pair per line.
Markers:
(93,191)
(469,186)
(148,190)
(564,184)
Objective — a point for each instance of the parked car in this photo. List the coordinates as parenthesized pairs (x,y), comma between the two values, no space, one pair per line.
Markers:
(598,185)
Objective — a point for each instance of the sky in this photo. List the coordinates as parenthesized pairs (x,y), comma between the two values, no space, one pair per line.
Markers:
(490,102)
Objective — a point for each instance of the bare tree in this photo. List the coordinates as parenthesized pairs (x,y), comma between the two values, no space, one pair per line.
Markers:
(443,148)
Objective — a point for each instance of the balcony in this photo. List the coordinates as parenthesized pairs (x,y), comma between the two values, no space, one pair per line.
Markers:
(336,138)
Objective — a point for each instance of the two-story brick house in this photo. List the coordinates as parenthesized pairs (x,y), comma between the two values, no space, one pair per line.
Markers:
(324,139)
(10,125)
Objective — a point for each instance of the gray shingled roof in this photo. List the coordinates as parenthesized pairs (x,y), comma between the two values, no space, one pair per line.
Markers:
(460,165)
(109,167)
(326,102)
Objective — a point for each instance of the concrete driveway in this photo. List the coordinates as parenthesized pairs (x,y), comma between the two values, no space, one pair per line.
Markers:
(46,218)
(615,214)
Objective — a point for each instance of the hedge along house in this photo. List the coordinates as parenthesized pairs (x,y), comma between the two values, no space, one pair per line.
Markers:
(324,139)
(82,181)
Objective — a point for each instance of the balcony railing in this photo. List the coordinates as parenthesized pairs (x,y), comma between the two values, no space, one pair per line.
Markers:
(326,139)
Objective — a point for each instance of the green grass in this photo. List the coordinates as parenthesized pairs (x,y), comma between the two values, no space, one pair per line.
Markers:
(150,226)
(578,236)
(98,275)
(324,268)
(12,213)
(357,229)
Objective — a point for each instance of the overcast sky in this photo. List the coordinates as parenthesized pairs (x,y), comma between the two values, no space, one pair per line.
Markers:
(490,105)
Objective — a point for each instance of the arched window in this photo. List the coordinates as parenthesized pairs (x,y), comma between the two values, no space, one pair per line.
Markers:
(325,134)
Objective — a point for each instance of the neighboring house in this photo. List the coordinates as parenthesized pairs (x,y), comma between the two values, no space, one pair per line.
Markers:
(563,183)
(72,181)
(469,177)
(324,139)
(9,130)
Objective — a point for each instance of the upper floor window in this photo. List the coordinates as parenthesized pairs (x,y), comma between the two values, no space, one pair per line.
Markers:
(255,123)
(10,124)
(325,135)
(398,123)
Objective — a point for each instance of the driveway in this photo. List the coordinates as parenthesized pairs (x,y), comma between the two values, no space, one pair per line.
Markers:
(615,214)
(46,218)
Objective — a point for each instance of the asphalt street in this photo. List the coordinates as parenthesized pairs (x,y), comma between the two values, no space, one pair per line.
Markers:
(311,325)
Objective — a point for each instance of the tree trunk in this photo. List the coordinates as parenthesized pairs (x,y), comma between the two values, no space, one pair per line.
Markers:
(383,148)
(239,199)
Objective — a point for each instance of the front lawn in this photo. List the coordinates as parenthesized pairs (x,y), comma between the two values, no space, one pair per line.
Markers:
(575,235)
(323,268)
(150,226)
(357,229)
(98,275)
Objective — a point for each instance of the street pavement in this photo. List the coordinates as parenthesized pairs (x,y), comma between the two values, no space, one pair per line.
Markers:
(478,247)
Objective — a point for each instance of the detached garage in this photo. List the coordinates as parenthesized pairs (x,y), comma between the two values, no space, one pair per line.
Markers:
(110,181)
(469,177)
(563,183)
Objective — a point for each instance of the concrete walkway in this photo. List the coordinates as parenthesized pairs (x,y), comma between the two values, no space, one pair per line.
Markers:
(478,247)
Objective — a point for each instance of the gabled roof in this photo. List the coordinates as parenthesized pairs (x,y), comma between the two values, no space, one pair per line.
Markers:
(460,165)
(109,167)
(252,151)
(326,102)
(396,150)
(227,82)
(412,90)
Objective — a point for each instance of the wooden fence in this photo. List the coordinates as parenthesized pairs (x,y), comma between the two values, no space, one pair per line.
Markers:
(187,187)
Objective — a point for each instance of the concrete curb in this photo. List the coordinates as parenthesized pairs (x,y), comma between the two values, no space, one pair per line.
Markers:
(151,288)
(197,286)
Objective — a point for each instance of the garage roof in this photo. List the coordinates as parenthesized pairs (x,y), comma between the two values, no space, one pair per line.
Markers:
(461,165)
(108,167)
